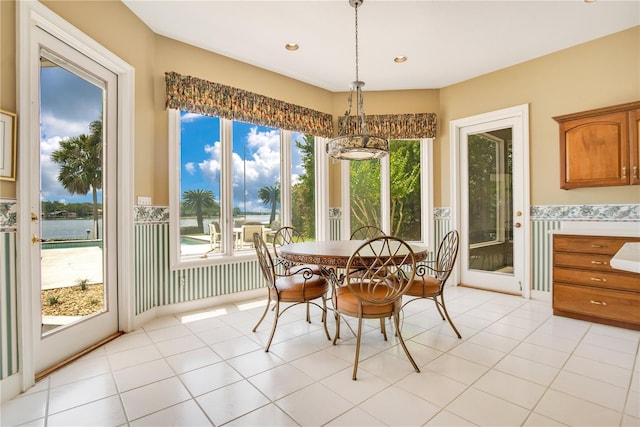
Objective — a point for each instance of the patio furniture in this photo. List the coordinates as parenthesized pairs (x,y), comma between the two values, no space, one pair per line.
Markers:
(247,233)
(214,234)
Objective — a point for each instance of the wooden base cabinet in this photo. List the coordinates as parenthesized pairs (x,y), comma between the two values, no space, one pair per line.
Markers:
(586,287)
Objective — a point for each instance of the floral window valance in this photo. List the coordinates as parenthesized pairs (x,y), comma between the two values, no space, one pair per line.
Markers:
(214,99)
(398,126)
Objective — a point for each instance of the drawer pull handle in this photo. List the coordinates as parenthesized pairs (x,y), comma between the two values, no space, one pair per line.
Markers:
(598,302)
(597,246)
(598,279)
(599,262)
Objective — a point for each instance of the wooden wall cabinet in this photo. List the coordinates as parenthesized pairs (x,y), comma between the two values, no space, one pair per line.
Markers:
(586,287)
(600,147)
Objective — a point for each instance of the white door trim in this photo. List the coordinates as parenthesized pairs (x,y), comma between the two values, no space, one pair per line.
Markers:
(31,14)
(521,113)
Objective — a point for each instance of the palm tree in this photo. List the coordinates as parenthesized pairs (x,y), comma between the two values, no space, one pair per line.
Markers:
(199,200)
(270,196)
(80,160)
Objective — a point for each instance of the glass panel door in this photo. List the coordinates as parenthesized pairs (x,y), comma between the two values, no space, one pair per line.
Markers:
(71,202)
(73,187)
(490,201)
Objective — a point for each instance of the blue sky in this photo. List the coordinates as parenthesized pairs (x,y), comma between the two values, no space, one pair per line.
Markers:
(69,104)
(256,159)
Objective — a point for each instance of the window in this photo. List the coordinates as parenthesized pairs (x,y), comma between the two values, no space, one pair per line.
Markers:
(232,179)
(393,193)
(490,155)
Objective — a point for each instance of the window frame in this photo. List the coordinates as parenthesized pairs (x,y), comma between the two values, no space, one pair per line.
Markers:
(500,186)
(426,193)
(227,255)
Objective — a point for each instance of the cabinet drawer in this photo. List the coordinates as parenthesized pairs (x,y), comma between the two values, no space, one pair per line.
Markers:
(587,261)
(590,244)
(606,304)
(599,279)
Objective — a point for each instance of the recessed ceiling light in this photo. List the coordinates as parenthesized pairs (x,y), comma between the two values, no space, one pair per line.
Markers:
(291,46)
(400,59)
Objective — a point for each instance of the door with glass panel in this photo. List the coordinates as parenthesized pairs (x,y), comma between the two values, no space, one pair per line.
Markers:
(492,206)
(73,220)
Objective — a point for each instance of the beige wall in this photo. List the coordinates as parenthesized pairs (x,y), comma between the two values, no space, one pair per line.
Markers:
(115,27)
(7,74)
(592,75)
(596,74)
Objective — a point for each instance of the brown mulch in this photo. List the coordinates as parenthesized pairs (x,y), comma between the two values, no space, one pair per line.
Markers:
(72,300)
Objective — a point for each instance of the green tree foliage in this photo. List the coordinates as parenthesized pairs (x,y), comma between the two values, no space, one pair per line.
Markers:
(199,201)
(405,185)
(80,160)
(302,194)
(270,196)
(488,179)
(365,193)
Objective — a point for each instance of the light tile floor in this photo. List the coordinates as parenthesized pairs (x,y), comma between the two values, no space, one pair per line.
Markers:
(517,364)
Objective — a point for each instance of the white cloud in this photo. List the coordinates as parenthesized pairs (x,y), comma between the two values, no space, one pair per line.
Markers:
(191,117)
(57,127)
(190,168)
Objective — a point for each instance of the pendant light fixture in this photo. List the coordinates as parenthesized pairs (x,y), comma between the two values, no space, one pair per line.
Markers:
(355,142)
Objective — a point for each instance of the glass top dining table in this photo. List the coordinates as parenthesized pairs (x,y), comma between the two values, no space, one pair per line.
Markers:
(336,253)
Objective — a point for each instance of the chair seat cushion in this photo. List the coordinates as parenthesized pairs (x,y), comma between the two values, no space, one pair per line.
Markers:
(295,288)
(347,302)
(424,286)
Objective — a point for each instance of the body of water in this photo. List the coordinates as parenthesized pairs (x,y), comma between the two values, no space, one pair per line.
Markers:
(68,229)
(74,229)
(192,222)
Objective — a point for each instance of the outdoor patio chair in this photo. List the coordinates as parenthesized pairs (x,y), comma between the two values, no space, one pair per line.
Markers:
(214,234)
(247,233)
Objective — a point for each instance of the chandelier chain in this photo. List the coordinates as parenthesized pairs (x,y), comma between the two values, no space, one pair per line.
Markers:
(357,75)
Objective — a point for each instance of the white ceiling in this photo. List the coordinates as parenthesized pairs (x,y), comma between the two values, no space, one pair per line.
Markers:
(446,42)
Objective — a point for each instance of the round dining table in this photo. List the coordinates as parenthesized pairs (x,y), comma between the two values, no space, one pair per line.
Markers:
(334,254)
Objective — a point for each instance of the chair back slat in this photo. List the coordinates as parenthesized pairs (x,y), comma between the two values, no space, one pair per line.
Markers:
(377,271)
(447,254)
(284,236)
(264,258)
(366,232)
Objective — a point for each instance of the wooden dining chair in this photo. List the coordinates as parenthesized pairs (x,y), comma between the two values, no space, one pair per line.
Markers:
(303,286)
(366,232)
(378,274)
(431,279)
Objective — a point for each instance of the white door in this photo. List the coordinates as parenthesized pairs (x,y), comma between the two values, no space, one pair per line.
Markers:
(492,195)
(73,204)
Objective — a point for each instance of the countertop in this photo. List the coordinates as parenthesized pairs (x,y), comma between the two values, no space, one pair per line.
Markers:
(627,258)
